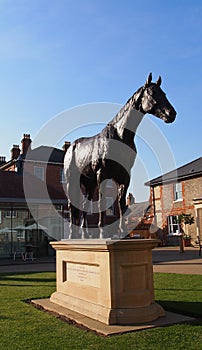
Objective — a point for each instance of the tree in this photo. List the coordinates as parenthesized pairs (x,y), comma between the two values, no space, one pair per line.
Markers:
(186,219)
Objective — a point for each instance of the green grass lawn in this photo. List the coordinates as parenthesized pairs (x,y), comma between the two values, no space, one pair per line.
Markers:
(24,327)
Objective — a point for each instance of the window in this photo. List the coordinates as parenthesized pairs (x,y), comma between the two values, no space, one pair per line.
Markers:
(20,235)
(11,214)
(90,209)
(109,183)
(109,206)
(173,225)
(62,176)
(39,172)
(59,207)
(178,191)
(89,205)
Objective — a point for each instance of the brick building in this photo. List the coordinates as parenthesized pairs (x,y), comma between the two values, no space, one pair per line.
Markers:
(31,219)
(174,193)
(33,204)
(32,190)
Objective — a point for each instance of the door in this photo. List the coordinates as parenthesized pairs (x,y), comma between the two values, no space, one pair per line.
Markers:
(199,223)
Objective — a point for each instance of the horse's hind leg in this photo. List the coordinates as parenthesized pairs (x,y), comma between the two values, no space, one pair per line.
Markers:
(84,225)
(86,206)
(74,194)
(75,216)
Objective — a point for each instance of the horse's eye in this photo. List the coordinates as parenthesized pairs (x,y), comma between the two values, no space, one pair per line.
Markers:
(151,91)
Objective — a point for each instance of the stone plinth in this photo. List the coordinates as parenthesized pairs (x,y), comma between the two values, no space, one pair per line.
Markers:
(109,281)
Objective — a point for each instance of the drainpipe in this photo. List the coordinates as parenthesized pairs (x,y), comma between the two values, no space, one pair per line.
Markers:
(11,221)
(154,206)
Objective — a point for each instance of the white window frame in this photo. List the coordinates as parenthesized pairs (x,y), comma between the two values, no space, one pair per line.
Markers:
(90,209)
(20,234)
(62,176)
(11,214)
(59,207)
(177,190)
(110,206)
(109,183)
(173,225)
(39,172)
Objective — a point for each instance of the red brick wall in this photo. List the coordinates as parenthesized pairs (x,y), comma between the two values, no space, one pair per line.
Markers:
(166,206)
(52,178)
(53,175)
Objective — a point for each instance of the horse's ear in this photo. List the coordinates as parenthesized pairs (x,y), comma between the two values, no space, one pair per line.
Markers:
(158,82)
(149,79)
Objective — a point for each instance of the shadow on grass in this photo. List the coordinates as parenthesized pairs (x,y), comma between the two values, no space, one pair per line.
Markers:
(29,279)
(4,318)
(178,289)
(192,309)
(25,285)
(26,276)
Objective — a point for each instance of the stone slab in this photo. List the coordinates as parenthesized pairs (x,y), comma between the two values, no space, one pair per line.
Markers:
(170,318)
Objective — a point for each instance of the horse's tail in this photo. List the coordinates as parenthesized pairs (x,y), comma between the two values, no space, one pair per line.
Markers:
(72,175)
(69,161)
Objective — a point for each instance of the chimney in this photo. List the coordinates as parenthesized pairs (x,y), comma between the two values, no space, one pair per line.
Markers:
(130,199)
(15,152)
(66,146)
(26,142)
(2,160)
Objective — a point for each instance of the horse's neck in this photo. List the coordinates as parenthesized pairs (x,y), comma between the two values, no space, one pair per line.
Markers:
(129,122)
(126,121)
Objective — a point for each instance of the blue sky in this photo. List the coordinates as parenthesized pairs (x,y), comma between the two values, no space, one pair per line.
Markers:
(55,55)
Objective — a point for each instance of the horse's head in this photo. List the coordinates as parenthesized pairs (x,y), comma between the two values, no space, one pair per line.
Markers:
(151,99)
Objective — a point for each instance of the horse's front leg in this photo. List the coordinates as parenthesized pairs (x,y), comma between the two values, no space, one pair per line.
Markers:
(122,189)
(101,204)
(89,192)
(84,224)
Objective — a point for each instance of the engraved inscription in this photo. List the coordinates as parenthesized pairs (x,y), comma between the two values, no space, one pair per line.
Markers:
(83,273)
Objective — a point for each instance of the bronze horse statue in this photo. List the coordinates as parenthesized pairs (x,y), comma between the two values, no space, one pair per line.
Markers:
(110,155)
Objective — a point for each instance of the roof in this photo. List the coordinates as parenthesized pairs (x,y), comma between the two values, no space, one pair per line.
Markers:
(39,154)
(187,171)
(16,188)
(138,209)
(46,154)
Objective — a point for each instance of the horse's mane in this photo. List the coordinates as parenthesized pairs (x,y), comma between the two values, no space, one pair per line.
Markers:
(131,102)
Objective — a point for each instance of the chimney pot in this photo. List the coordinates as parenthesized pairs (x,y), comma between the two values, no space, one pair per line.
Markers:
(130,199)
(15,152)
(2,160)
(26,143)
(66,146)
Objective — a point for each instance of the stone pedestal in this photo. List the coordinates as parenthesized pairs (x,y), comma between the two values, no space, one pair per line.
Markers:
(109,281)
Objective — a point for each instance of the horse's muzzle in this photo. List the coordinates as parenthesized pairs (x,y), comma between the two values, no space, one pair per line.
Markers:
(170,117)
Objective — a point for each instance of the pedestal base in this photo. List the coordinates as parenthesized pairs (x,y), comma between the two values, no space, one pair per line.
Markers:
(109,281)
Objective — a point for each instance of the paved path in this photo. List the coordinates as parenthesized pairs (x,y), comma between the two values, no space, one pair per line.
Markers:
(169,259)
(38,265)
(165,259)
